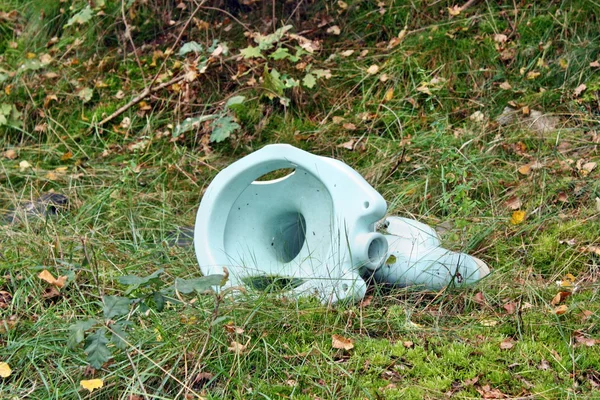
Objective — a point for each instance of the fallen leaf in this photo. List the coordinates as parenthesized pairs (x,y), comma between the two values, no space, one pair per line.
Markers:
(236,347)
(408,344)
(544,365)
(85,94)
(560,310)
(500,38)
(579,89)
(525,169)
(5,370)
(349,145)
(373,69)
(487,392)
(595,64)
(514,203)
(349,126)
(340,342)
(454,11)
(23,165)
(233,329)
(488,322)
(588,167)
(67,156)
(510,307)
(505,86)
(91,384)
(337,120)
(532,75)
(389,94)
(479,298)
(477,116)
(334,30)
(517,217)
(559,298)
(507,344)
(45,275)
(347,53)
(591,249)
(5,299)
(11,154)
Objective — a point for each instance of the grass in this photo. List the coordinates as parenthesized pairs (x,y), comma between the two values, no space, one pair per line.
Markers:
(130,185)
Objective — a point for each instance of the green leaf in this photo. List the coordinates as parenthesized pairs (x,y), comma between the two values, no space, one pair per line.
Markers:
(322,73)
(234,101)
(78,332)
(280,54)
(159,300)
(266,42)
(222,128)
(202,284)
(272,83)
(251,52)
(119,335)
(81,17)
(85,94)
(95,348)
(309,81)
(31,65)
(190,47)
(134,282)
(189,124)
(115,306)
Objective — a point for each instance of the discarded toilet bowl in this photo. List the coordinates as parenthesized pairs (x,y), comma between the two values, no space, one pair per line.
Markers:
(416,258)
(315,227)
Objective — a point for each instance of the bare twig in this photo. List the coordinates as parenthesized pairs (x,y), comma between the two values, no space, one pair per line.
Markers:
(468,4)
(149,89)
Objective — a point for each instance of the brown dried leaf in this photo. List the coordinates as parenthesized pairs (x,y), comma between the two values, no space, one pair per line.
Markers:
(579,89)
(236,347)
(560,310)
(559,298)
(479,298)
(507,344)
(349,145)
(11,154)
(510,307)
(514,203)
(340,342)
(45,275)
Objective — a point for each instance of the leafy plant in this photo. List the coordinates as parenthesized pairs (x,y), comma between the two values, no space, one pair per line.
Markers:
(143,294)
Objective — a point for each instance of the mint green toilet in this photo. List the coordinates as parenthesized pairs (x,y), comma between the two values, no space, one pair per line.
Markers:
(316,228)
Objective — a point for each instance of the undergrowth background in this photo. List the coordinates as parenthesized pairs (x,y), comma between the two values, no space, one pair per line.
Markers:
(481,121)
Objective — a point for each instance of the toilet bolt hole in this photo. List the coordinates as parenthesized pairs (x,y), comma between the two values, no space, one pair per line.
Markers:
(366,204)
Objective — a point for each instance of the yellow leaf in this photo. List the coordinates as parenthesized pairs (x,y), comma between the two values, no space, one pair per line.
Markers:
(454,11)
(525,169)
(531,75)
(5,370)
(67,156)
(389,94)
(517,217)
(560,310)
(340,342)
(45,275)
(92,384)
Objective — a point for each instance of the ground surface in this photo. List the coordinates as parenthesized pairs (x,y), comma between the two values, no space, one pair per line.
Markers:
(482,122)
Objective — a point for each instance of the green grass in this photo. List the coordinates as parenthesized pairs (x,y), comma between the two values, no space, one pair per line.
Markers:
(130,185)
